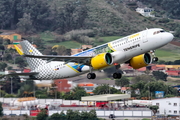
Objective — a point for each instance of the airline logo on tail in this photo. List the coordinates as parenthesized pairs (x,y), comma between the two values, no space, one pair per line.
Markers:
(18,50)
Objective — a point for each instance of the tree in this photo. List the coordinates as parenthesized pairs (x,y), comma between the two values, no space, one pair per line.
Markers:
(27,87)
(92,115)
(25,24)
(15,84)
(37,9)
(3,66)
(7,57)
(21,62)
(73,115)
(84,115)
(176,62)
(80,93)
(75,94)
(5,13)
(42,115)
(9,67)
(62,116)
(144,78)
(154,108)
(105,89)
(59,49)
(1,110)
(57,116)
(139,85)
(122,82)
(160,75)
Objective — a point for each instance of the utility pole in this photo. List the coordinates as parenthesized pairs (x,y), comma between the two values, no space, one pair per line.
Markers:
(11,86)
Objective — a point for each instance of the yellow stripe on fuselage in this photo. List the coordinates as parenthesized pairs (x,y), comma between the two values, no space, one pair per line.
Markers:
(109,45)
(72,68)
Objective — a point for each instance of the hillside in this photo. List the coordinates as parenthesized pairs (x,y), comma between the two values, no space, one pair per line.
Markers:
(164,8)
(104,17)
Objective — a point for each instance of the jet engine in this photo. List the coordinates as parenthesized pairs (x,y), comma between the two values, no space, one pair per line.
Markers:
(101,60)
(141,61)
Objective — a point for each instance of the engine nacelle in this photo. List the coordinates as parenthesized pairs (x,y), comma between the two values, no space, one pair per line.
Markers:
(101,60)
(140,61)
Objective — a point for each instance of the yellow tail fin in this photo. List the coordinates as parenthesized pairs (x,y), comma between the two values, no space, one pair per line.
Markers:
(18,50)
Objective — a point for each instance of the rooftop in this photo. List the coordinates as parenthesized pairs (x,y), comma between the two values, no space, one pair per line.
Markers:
(7,33)
(106,97)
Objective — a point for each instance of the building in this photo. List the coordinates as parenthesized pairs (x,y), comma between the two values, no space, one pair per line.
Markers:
(11,36)
(86,46)
(168,67)
(88,87)
(62,85)
(167,106)
(126,90)
(173,72)
(43,83)
(147,12)
(75,51)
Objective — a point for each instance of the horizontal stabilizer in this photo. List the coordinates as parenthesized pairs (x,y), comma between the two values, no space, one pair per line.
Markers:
(22,74)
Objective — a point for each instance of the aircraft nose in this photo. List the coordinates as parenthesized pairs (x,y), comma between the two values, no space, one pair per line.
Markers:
(169,37)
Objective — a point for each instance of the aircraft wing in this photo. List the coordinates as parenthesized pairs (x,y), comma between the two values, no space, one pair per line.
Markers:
(79,59)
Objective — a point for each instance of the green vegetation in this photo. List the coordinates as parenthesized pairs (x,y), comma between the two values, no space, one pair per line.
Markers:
(102,40)
(47,36)
(68,44)
(167,55)
(101,16)
(42,115)
(154,108)
(147,86)
(1,110)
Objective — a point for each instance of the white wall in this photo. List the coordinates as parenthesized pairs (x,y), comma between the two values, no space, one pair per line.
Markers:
(168,106)
(99,113)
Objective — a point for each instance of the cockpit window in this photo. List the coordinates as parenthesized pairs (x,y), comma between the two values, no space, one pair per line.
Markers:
(162,31)
(156,32)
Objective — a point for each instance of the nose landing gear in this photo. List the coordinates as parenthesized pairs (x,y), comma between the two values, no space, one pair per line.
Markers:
(155,59)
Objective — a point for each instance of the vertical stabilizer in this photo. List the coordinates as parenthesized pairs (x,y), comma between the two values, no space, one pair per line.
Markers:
(31,50)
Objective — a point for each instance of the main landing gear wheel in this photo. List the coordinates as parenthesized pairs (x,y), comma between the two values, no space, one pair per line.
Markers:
(91,75)
(117,75)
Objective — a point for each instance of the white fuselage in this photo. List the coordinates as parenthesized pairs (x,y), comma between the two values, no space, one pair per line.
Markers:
(128,47)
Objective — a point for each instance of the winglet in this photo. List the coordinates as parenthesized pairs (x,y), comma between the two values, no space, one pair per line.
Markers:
(18,50)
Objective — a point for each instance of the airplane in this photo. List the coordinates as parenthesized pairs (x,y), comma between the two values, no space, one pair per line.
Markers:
(138,50)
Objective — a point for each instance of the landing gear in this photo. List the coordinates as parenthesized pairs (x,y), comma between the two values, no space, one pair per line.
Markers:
(117,75)
(155,59)
(91,75)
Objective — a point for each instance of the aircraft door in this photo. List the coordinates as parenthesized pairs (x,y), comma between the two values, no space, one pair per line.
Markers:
(144,36)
